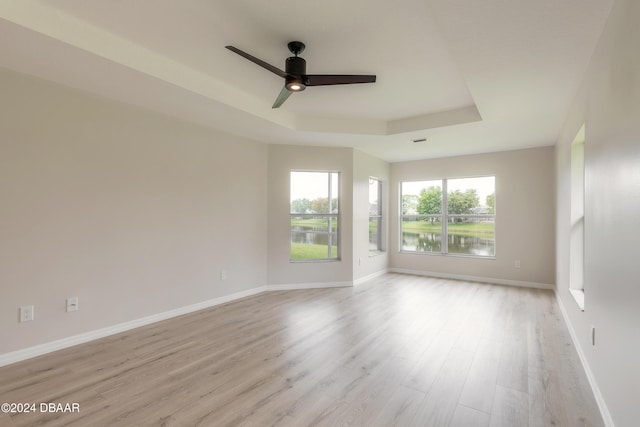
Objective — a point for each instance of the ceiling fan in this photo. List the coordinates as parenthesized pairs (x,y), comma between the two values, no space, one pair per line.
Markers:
(295,75)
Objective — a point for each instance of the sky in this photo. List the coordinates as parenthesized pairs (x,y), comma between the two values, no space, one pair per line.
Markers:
(312,185)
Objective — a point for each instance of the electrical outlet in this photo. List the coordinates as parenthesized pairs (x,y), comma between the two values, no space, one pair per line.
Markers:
(72,304)
(26,313)
(223,275)
(516,264)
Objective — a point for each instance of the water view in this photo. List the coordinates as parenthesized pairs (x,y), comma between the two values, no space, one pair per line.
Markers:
(311,235)
(432,242)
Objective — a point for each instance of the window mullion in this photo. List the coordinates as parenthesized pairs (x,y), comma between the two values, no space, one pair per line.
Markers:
(379,220)
(329,218)
(445,218)
(329,193)
(330,239)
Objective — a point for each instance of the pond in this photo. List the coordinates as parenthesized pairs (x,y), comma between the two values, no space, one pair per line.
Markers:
(458,244)
(311,235)
(420,242)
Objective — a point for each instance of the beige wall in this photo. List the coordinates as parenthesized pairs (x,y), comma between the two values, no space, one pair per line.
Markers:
(132,212)
(364,167)
(525,206)
(283,159)
(609,105)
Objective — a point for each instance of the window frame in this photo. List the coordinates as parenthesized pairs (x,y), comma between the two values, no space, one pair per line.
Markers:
(444,218)
(379,217)
(332,218)
(577,218)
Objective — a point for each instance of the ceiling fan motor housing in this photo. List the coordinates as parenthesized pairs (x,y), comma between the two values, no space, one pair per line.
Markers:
(295,68)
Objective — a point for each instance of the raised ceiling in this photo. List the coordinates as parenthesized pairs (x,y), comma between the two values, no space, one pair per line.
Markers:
(470,76)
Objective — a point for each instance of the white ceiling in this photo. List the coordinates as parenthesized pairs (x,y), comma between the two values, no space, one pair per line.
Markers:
(470,76)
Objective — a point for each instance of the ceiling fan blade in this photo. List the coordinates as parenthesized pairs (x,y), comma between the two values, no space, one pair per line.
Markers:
(260,62)
(336,79)
(282,96)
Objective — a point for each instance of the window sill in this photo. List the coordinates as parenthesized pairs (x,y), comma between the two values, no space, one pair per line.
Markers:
(578,295)
(313,260)
(376,253)
(493,257)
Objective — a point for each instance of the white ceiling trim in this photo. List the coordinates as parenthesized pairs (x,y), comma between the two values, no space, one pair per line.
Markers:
(44,19)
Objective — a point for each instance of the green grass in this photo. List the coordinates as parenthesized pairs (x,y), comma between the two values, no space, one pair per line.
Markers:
(310,222)
(305,251)
(481,229)
(316,223)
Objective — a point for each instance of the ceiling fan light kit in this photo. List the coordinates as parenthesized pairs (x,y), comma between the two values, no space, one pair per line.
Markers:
(295,75)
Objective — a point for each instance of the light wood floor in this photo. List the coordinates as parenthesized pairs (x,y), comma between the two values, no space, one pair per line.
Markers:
(398,350)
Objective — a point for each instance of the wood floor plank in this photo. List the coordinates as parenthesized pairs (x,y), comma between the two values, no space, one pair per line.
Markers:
(309,410)
(558,392)
(510,408)
(469,417)
(442,400)
(397,350)
(513,372)
(5,420)
(400,409)
(365,398)
(480,386)
(426,370)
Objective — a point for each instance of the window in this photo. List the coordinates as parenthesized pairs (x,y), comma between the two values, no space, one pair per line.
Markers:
(375,216)
(449,216)
(576,250)
(314,215)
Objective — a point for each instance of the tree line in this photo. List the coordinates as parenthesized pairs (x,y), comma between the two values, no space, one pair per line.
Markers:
(429,202)
(319,205)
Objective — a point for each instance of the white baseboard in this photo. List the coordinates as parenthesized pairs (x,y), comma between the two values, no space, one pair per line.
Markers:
(480,279)
(38,350)
(316,285)
(602,405)
(369,277)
